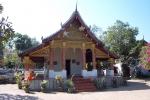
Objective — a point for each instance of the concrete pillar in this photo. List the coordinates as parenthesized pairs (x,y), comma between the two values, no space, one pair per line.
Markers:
(63,51)
(26,62)
(51,55)
(83,56)
(93,56)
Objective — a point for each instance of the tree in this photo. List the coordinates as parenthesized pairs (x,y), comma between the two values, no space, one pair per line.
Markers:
(23,42)
(34,42)
(98,32)
(1,8)
(135,51)
(145,56)
(6,32)
(121,38)
(11,58)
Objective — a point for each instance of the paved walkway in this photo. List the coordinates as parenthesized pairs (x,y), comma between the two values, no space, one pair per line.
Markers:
(136,90)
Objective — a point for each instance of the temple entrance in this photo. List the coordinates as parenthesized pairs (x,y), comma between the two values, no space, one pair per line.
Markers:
(89,59)
(68,68)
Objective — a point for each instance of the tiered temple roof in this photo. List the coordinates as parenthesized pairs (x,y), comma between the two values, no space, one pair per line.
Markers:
(86,31)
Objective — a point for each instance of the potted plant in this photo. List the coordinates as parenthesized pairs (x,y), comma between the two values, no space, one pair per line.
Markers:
(100,83)
(59,81)
(69,86)
(19,84)
(43,85)
(58,78)
(124,81)
(26,86)
(19,78)
(27,81)
(114,82)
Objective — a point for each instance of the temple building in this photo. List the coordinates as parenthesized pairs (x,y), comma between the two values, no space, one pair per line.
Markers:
(72,50)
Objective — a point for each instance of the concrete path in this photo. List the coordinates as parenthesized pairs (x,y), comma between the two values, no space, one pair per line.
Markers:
(136,90)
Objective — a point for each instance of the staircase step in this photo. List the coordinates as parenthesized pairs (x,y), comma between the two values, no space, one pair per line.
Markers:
(83,85)
(86,90)
(91,88)
(82,81)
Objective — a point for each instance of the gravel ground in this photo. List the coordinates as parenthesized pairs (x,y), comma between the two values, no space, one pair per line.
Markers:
(136,90)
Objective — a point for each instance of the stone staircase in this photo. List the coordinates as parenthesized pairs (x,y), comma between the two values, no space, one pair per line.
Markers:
(83,85)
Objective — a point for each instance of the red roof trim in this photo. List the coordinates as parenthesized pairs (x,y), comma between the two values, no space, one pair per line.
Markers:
(26,52)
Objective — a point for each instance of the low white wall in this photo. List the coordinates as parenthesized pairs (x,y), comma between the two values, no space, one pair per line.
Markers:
(52,85)
(109,79)
(87,74)
(108,72)
(53,74)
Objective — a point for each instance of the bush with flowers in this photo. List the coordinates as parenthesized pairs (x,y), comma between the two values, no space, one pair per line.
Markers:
(28,79)
(145,56)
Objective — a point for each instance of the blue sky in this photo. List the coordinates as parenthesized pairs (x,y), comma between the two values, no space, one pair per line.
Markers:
(39,18)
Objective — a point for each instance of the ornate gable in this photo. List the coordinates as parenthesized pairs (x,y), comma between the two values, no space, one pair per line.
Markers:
(74,30)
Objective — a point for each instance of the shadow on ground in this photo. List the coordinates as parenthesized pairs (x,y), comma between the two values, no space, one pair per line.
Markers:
(17,97)
(131,86)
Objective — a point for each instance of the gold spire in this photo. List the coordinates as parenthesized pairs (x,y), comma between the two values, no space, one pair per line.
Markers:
(77,5)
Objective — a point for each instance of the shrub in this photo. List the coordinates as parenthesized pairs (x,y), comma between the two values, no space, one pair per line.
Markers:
(124,83)
(59,81)
(58,77)
(26,86)
(43,85)
(18,78)
(114,83)
(100,83)
(69,86)
(19,85)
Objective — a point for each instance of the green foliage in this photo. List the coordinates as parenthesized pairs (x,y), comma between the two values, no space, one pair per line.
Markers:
(26,86)
(23,42)
(124,81)
(114,83)
(142,76)
(69,86)
(58,77)
(120,38)
(6,31)
(11,58)
(1,8)
(10,65)
(144,56)
(18,77)
(135,51)
(59,81)
(43,85)
(98,32)
(100,83)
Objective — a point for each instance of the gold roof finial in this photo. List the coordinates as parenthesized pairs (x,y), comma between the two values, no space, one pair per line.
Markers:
(61,24)
(77,5)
